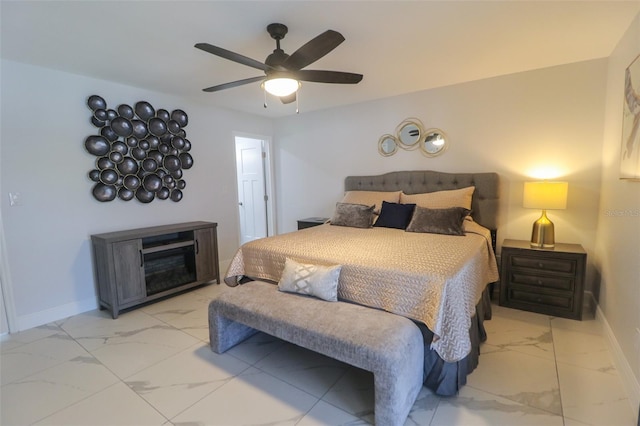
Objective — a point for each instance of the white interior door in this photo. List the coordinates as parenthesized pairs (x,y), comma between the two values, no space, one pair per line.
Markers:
(252,194)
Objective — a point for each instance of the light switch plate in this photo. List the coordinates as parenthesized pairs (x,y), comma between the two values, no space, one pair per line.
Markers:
(15,199)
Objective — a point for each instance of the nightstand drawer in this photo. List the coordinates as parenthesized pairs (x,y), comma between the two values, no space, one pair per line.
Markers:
(557,282)
(542,300)
(567,266)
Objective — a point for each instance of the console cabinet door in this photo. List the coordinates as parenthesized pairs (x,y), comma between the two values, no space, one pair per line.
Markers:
(129,268)
(206,255)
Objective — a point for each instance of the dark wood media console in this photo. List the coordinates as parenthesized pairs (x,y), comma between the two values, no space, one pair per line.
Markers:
(139,265)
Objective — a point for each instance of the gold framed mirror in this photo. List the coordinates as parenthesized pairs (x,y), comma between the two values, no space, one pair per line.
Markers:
(409,133)
(434,142)
(387,145)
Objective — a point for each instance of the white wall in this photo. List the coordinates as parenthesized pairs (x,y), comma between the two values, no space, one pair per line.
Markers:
(618,236)
(515,125)
(45,121)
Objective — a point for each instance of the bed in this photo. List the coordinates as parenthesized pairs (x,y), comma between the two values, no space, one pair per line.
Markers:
(437,280)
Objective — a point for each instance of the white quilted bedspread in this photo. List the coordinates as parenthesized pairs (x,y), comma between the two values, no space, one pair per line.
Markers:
(432,278)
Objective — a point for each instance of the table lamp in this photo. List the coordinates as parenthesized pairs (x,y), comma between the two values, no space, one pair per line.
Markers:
(544,195)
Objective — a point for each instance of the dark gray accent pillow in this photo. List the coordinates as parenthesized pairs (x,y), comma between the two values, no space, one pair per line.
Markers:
(353,215)
(438,221)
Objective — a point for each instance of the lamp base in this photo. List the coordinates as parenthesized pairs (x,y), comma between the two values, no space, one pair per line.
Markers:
(542,235)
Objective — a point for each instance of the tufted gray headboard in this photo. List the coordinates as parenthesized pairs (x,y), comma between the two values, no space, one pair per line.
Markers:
(484,205)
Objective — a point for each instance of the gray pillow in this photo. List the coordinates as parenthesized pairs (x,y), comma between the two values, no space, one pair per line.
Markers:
(354,215)
(438,221)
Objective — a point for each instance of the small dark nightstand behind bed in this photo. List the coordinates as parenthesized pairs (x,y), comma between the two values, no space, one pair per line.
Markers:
(311,221)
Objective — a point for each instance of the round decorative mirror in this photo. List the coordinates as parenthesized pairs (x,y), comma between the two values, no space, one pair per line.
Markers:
(434,143)
(387,145)
(409,133)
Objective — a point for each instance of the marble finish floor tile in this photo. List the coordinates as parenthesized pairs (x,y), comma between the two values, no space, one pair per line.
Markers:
(310,371)
(424,408)
(252,398)
(327,415)
(520,336)
(173,385)
(188,312)
(590,326)
(128,354)
(175,307)
(256,347)
(12,341)
(593,397)
(583,349)
(153,366)
(524,317)
(475,407)
(60,386)
(194,323)
(532,380)
(115,406)
(354,394)
(96,329)
(25,360)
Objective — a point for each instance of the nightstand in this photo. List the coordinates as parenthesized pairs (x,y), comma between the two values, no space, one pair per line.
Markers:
(547,281)
(311,221)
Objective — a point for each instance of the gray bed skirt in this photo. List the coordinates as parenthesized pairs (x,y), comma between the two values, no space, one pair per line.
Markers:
(446,378)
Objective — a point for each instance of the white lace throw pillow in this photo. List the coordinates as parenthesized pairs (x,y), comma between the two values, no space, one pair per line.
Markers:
(313,280)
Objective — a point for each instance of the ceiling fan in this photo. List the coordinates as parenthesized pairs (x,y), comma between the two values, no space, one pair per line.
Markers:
(283,72)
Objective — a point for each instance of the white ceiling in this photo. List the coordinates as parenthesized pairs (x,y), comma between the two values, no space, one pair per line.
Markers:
(400,47)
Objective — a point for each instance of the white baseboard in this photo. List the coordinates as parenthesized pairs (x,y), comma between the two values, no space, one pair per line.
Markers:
(36,319)
(631,384)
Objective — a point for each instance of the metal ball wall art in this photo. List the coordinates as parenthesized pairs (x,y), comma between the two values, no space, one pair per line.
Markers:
(141,153)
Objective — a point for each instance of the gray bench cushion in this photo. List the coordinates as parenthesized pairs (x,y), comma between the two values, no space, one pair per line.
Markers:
(388,345)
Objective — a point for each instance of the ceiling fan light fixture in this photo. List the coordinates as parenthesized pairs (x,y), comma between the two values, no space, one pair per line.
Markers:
(281,86)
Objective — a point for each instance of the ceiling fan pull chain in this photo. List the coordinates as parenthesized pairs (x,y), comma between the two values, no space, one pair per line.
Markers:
(265,98)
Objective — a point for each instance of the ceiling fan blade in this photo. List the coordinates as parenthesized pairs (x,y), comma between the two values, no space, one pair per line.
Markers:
(288,99)
(232,56)
(319,76)
(313,50)
(232,84)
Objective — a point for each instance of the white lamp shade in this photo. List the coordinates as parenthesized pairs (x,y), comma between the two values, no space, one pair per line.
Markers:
(281,86)
(545,195)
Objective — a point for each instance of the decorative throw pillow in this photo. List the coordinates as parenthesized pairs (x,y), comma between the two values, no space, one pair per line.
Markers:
(441,199)
(354,215)
(394,215)
(312,280)
(438,221)
(371,197)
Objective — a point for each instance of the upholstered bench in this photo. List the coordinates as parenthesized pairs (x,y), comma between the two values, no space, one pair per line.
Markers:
(390,346)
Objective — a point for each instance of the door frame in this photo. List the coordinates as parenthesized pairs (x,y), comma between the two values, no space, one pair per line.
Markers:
(268,180)
(6,288)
